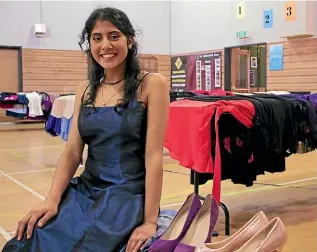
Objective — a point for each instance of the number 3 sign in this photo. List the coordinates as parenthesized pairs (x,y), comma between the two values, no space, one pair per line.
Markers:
(290,11)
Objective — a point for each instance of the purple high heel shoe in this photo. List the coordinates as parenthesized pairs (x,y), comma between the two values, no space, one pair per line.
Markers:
(203,223)
(179,226)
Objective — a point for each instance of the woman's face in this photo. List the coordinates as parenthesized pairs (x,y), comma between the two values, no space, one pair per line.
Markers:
(108,45)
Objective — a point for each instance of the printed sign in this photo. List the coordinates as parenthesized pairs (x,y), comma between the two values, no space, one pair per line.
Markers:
(240,10)
(196,72)
(178,74)
(217,73)
(254,62)
(268,18)
(276,57)
(290,11)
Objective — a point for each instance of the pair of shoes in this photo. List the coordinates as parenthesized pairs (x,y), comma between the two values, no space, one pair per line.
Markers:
(186,229)
(258,234)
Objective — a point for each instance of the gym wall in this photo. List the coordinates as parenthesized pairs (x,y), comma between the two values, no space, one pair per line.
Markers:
(55,62)
(299,67)
(210,26)
(66,19)
(60,71)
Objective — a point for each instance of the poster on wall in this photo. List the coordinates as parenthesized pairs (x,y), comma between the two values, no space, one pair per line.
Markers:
(254,62)
(217,72)
(203,71)
(276,57)
(290,11)
(268,19)
(240,10)
(196,72)
(178,74)
(253,81)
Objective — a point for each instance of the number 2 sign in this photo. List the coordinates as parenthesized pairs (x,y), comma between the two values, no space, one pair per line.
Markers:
(268,18)
(290,11)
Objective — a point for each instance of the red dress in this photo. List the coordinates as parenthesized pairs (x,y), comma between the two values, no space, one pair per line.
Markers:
(188,134)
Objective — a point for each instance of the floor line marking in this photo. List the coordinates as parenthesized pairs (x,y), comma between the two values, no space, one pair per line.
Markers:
(4,233)
(31,148)
(31,171)
(265,188)
(298,181)
(49,169)
(7,235)
(35,171)
(23,185)
(28,160)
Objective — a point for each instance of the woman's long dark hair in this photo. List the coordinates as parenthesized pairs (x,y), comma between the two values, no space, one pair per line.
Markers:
(95,71)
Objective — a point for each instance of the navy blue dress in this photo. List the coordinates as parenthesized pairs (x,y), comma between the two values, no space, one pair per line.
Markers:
(101,207)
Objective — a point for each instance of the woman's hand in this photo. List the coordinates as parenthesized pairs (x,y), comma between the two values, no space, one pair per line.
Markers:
(46,210)
(140,236)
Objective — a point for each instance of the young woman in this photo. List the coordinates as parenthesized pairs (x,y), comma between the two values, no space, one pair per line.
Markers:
(121,114)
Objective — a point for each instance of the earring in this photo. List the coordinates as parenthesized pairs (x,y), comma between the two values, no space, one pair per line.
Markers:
(129,46)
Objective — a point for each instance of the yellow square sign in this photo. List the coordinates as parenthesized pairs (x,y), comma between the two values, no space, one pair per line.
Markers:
(240,10)
(290,11)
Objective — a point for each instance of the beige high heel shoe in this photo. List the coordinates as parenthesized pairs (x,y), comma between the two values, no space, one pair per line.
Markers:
(271,238)
(234,242)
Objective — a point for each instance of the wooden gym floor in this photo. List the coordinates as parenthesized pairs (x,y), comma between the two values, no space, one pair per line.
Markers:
(28,156)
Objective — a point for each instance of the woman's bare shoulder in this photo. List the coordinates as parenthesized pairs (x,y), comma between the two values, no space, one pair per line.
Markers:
(153,83)
(153,79)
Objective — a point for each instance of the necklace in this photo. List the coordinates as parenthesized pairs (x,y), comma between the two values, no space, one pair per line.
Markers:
(113,83)
(105,103)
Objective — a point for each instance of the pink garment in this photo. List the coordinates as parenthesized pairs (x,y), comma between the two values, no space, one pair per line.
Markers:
(11,98)
(6,106)
(53,97)
(213,92)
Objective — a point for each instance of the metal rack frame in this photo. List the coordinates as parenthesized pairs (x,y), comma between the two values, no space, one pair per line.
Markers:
(222,205)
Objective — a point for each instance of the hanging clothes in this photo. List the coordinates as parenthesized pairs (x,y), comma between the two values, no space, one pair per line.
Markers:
(188,135)
(220,139)
(35,104)
(18,110)
(60,118)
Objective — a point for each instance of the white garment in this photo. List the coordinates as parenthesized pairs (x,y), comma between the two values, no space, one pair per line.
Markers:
(63,106)
(35,104)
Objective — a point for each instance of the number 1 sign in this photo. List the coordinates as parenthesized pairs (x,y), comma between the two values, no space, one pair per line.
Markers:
(268,18)
(240,10)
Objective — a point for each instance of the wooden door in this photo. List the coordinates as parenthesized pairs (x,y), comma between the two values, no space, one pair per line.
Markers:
(240,70)
(9,76)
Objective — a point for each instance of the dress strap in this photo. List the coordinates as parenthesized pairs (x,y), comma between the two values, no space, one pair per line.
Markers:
(143,77)
(85,90)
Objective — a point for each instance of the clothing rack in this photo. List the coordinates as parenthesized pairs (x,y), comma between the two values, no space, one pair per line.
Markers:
(181,95)
(306,140)
(174,96)
(222,205)
(60,119)
(26,107)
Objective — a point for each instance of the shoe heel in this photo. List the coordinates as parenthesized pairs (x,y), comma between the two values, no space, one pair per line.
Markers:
(179,226)
(270,238)
(202,227)
(234,242)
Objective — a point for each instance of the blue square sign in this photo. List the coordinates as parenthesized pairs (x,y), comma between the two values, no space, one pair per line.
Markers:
(268,18)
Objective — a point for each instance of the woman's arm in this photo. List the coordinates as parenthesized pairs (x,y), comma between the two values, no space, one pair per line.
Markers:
(71,156)
(158,103)
(156,89)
